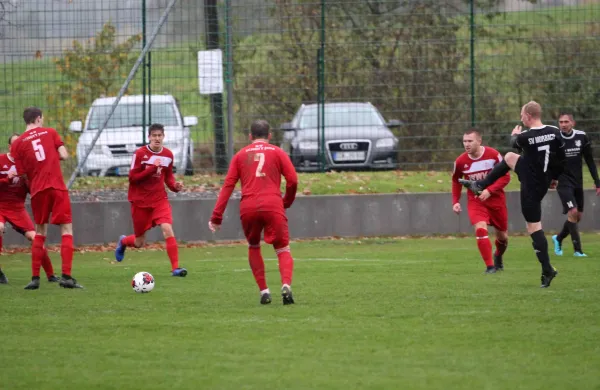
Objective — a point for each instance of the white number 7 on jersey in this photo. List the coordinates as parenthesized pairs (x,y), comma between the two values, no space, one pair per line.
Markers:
(40,154)
(260,157)
(545,148)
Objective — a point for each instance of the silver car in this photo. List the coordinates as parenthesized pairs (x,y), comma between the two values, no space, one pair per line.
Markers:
(355,137)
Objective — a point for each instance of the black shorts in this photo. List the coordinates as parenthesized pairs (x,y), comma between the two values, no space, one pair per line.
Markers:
(533,189)
(570,198)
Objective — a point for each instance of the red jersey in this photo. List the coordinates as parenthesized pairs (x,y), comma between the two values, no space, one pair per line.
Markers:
(259,166)
(12,191)
(36,155)
(476,169)
(146,180)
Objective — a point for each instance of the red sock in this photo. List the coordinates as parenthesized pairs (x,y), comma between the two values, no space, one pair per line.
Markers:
(0,243)
(66,253)
(129,241)
(485,246)
(37,254)
(500,247)
(257,265)
(286,265)
(173,252)
(47,264)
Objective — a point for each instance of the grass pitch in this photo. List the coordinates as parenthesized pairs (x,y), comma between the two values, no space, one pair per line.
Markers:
(370,314)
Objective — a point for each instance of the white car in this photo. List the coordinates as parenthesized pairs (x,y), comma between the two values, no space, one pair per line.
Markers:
(124,134)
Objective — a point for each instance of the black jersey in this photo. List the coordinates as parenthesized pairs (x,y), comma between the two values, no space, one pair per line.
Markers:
(577,147)
(543,153)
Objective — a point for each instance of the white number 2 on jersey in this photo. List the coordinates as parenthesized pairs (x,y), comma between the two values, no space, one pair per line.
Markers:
(545,148)
(40,155)
(260,157)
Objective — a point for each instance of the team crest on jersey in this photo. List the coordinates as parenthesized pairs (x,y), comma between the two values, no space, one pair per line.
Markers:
(578,143)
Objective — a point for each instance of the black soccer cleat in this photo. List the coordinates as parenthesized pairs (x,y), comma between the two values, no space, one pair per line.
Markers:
(3,278)
(490,270)
(34,284)
(498,263)
(286,294)
(265,299)
(68,282)
(547,279)
(471,185)
(53,279)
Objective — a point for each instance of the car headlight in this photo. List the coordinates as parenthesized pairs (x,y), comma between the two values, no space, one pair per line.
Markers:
(308,145)
(385,143)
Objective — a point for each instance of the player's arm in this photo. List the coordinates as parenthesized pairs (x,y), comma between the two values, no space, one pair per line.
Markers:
(173,185)
(63,154)
(231,180)
(588,155)
(291,179)
(456,186)
(561,156)
(138,172)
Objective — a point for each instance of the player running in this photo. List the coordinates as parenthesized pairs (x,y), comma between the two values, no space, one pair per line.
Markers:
(259,166)
(570,183)
(151,169)
(37,154)
(488,208)
(13,190)
(539,167)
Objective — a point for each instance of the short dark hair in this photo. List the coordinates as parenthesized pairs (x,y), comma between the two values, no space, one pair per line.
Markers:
(475,131)
(567,113)
(11,137)
(260,129)
(156,126)
(31,114)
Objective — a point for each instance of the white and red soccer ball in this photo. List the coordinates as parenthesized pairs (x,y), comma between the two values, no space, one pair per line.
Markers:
(143,282)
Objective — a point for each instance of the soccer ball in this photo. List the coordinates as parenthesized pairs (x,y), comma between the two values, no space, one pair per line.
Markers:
(143,282)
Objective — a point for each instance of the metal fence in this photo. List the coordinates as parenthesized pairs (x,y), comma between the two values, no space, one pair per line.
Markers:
(419,71)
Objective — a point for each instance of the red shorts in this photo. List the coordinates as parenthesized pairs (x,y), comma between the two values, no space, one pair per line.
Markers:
(18,218)
(145,218)
(51,202)
(494,213)
(273,223)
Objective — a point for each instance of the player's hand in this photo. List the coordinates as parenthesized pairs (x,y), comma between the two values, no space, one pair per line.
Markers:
(517,130)
(597,191)
(213,226)
(553,184)
(485,195)
(456,208)
(11,174)
(178,186)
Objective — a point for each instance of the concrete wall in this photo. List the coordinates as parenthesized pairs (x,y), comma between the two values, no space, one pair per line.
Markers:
(314,216)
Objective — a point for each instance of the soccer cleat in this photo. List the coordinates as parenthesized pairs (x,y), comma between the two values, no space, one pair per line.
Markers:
(557,246)
(490,270)
(471,185)
(286,294)
(547,279)
(265,299)
(68,282)
(180,272)
(34,284)
(579,254)
(53,279)
(498,263)
(120,250)
(3,278)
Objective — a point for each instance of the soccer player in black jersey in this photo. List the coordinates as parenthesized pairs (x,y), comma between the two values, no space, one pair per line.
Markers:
(570,183)
(538,167)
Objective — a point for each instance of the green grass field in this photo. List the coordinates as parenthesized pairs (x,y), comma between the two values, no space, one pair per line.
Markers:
(370,314)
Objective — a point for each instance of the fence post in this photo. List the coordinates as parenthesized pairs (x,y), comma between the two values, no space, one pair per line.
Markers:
(472,65)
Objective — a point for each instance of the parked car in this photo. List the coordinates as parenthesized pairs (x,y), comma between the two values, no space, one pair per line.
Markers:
(355,137)
(124,133)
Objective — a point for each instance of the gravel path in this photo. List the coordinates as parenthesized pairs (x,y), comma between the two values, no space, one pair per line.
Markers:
(121,195)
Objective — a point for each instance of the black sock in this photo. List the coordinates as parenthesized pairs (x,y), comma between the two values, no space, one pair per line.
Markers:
(564,233)
(540,245)
(499,170)
(1,273)
(575,236)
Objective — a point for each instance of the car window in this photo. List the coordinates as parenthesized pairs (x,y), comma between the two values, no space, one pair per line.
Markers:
(129,115)
(342,116)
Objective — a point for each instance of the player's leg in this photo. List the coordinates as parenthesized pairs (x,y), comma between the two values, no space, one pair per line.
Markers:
(573,217)
(499,220)
(567,199)
(142,222)
(41,206)
(479,216)
(46,262)
(172,250)
(252,224)
(277,233)
(2,227)
(502,168)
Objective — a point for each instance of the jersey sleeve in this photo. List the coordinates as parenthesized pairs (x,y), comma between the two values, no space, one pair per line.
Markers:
(559,164)
(588,155)
(233,175)
(291,179)
(170,177)
(456,186)
(16,155)
(138,172)
(58,142)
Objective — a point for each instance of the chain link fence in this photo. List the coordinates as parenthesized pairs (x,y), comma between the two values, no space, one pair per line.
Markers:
(345,84)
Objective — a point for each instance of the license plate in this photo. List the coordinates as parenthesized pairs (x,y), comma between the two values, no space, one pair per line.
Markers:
(349,156)
(123,171)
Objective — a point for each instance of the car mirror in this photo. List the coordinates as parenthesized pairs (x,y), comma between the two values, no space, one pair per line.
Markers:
(287,126)
(394,123)
(190,121)
(76,126)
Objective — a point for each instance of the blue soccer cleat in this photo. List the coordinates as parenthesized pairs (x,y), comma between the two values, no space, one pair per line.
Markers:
(557,246)
(120,250)
(579,254)
(182,272)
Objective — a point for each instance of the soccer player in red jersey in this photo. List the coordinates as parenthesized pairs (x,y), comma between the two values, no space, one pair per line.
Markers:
(37,154)
(259,166)
(151,169)
(13,190)
(489,208)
